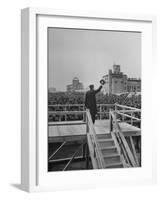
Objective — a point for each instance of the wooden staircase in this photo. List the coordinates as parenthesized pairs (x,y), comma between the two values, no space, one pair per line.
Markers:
(109,151)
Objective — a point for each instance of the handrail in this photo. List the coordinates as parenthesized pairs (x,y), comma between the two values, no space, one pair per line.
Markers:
(124,111)
(65,110)
(71,112)
(96,144)
(124,145)
(70,105)
(128,112)
(123,114)
(128,107)
(61,105)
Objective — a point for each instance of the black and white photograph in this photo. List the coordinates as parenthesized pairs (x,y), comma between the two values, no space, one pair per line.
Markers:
(94,99)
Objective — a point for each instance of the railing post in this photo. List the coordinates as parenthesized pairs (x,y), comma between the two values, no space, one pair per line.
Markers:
(116,110)
(84,150)
(111,122)
(115,107)
(87,157)
(65,109)
(87,125)
(100,112)
(131,118)
(84,114)
(123,117)
(139,145)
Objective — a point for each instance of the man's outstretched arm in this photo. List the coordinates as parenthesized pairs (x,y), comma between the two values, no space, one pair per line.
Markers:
(98,90)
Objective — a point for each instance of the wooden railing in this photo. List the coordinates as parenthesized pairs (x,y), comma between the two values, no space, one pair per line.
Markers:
(94,147)
(125,151)
(128,114)
(61,112)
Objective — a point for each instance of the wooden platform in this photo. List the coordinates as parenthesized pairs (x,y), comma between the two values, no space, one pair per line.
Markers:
(129,130)
(62,131)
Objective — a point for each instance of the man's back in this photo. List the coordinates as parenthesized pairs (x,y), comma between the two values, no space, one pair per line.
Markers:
(90,100)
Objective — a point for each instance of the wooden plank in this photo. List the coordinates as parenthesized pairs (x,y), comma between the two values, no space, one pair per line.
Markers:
(66,123)
(56,150)
(92,132)
(62,160)
(129,116)
(77,105)
(127,149)
(117,126)
(67,138)
(91,152)
(65,112)
(128,128)
(118,149)
(133,150)
(101,127)
(127,107)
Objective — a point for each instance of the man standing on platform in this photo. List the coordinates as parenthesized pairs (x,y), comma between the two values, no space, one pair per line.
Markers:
(90,100)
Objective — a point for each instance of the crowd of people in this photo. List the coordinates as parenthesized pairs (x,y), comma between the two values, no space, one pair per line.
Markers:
(66,98)
(78,98)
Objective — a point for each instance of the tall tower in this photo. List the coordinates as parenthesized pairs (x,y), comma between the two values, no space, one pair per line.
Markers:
(116,69)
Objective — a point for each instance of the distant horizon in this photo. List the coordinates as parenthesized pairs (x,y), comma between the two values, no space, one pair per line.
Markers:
(89,54)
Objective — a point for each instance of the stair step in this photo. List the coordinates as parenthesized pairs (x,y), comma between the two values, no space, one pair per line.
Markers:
(114,165)
(105,139)
(111,155)
(106,142)
(104,136)
(111,158)
(108,150)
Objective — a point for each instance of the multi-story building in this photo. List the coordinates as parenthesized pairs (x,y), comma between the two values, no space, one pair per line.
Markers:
(117,82)
(76,86)
(134,85)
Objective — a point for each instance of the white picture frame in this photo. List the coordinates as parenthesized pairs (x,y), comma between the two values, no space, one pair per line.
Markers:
(34,176)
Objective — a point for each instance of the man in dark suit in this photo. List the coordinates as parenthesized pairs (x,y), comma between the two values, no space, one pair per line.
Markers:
(90,100)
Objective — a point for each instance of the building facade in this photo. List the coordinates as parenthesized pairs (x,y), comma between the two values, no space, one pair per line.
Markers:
(76,86)
(117,82)
(134,85)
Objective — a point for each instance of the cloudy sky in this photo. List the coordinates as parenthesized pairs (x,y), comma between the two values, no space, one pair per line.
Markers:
(89,54)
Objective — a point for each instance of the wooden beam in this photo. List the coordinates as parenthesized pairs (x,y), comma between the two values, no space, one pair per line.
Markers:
(131,117)
(66,123)
(63,112)
(87,157)
(56,150)
(62,160)
(124,142)
(133,150)
(128,107)
(69,138)
(92,132)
